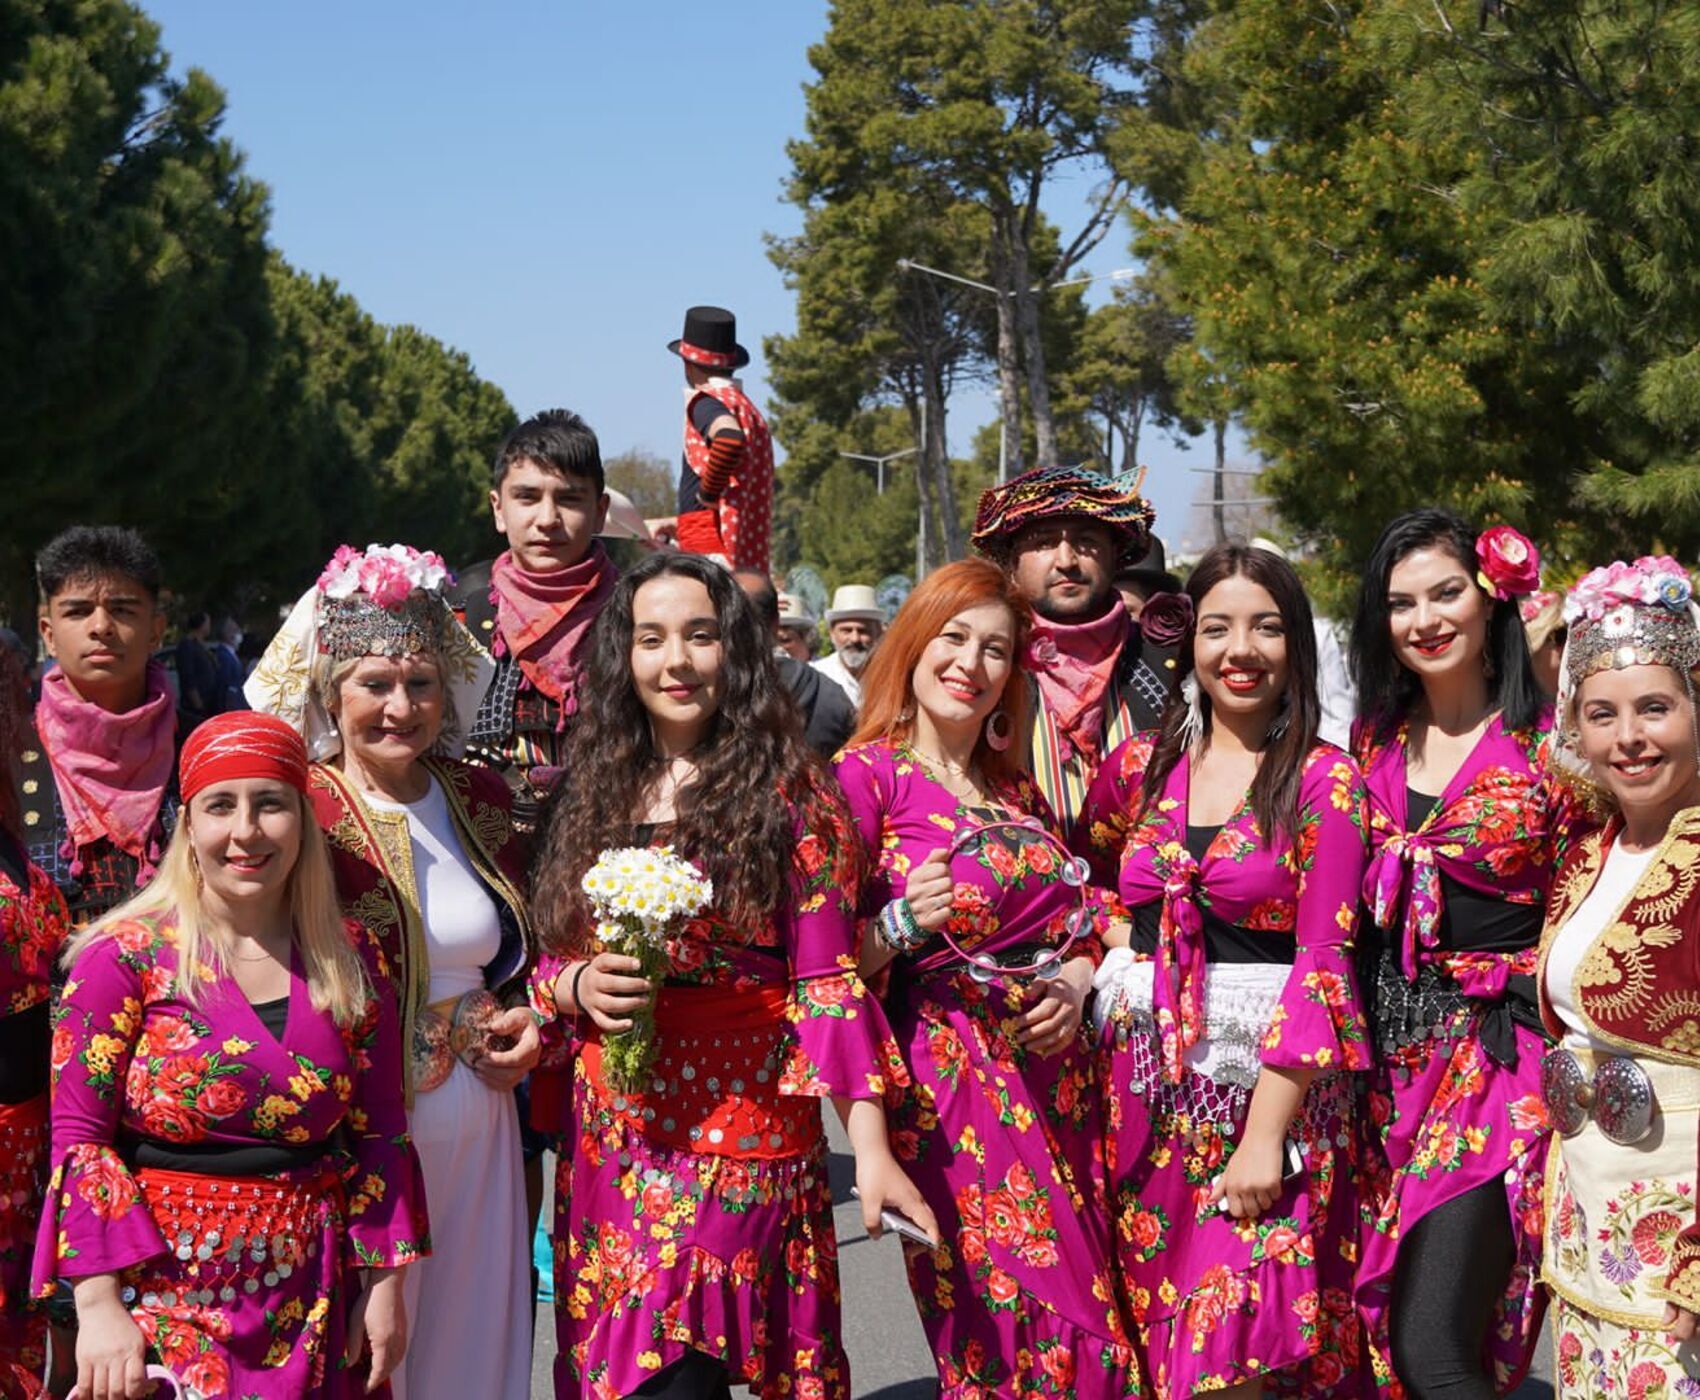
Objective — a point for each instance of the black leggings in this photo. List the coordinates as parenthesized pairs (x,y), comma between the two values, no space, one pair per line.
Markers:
(1451,1272)
(695,1377)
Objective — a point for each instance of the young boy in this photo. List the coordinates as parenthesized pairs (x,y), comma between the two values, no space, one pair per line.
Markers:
(534,603)
(97,786)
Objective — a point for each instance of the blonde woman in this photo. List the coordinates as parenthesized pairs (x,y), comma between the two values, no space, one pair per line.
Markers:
(223,1064)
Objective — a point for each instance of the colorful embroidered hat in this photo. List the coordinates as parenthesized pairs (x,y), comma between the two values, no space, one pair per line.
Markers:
(384,601)
(1640,614)
(1052,493)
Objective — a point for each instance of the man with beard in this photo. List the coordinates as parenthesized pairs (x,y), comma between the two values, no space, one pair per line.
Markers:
(1062,533)
(853,623)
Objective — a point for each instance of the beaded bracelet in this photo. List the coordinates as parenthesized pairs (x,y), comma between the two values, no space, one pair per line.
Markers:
(897,928)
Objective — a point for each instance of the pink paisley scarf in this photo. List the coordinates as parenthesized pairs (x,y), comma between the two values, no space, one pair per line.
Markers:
(542,619)
(1073,664)
(111,769)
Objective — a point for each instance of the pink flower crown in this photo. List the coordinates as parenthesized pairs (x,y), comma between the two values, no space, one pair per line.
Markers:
(386,574)
(1507,563)
(1654,580)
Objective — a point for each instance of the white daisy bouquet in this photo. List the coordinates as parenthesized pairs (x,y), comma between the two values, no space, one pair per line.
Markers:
(639,895)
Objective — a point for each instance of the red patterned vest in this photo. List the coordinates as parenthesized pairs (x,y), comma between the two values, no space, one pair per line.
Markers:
(745,511)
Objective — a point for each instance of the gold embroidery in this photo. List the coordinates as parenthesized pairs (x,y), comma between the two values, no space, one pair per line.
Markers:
(490,825)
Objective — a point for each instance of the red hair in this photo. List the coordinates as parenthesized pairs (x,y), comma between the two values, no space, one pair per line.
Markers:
(888,688)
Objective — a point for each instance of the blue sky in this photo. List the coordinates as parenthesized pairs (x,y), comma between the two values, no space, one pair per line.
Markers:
(546,186)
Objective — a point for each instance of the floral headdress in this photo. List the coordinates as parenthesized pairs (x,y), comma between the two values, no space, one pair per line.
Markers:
(385,600)
(1507,563)
(1640,614)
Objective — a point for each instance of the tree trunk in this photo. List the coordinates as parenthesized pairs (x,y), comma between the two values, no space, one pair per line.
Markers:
(947,538)
(1020,285)
(1218,510)
(1009,372)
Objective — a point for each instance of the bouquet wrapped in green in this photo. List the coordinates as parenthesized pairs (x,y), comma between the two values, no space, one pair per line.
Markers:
(639,895)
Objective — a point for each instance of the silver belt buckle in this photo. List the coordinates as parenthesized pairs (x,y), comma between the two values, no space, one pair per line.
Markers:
(1619,1096)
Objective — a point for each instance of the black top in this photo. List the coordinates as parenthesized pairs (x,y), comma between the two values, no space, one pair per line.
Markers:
(224,1158)
(14,862)
(24,1040)
(828,716)
(1470,920)
(1223,942)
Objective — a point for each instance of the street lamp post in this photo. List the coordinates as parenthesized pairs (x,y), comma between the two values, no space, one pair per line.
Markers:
(910,265)
(880,461)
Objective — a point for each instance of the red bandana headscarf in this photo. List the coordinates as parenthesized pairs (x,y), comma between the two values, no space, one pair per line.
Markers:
(242,744)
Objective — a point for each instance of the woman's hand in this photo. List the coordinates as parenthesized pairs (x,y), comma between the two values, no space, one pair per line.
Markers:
(930,889)
(1680,1323)
(1251,1182)
(609,992)
(111,1352)
(379,1316)
(883,1185)
(502,1069)
(1052,1022)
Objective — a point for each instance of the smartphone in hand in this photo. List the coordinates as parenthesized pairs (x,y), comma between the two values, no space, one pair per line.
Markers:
(899,1224)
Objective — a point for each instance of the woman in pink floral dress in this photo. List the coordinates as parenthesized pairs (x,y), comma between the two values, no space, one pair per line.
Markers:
(694,1245)
(1467,829)
(233,1189)
(1232,1020)
(32,928)
(1001,1128)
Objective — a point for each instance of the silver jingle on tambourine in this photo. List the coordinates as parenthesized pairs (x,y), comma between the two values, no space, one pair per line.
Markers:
(981,973)
(1073,921)
(1048,968)
(1075,872)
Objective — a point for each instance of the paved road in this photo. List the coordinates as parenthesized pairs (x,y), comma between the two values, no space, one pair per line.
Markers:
(888,1354)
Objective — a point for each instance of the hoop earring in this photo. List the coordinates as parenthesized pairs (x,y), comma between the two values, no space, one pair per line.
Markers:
(1000,731)
(1278,725)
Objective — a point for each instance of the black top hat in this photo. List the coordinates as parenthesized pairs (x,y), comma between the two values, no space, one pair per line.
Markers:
(1151,568)
(711,339)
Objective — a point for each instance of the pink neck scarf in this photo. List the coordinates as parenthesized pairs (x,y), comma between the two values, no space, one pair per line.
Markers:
(111,770)
(542,619)
(1073,664)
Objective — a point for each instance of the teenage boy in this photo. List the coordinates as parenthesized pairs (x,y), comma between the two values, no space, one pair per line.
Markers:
(532,605)
(97,786)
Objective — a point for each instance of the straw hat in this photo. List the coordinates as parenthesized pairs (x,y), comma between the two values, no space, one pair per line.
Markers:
(854,601)
(793,611)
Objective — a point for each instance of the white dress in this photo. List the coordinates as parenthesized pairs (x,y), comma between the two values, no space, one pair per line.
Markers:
(469,1304)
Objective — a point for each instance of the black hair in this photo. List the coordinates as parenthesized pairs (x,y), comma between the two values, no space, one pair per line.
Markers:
(1280,770)
(557,439)
(727,819)
(196,620)
(94,551)
(764,597)
(1387,689)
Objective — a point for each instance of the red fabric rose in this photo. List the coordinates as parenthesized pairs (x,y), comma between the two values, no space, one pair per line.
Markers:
(1509,566)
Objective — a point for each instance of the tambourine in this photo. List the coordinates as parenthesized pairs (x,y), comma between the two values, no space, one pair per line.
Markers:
(166,1385)
(988,967)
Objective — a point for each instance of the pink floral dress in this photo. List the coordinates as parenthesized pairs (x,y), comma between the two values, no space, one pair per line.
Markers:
(32,927)
(1455,1101)
(241,1285)
(1247,962)
(698,1216)
(1006,1144)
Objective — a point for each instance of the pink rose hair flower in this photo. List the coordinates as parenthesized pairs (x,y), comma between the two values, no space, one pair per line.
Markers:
(1508,564)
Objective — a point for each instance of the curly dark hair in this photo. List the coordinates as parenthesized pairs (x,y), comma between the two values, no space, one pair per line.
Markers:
(728,820)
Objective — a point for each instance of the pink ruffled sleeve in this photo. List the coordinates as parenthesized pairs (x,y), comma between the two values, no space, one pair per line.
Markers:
(387,1221)
(95,1220)
(841,1043)
(1319,1022)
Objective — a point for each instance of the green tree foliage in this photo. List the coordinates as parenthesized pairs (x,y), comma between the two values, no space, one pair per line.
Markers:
(646,479)
(990,101)
(1438,253)
(161,368)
